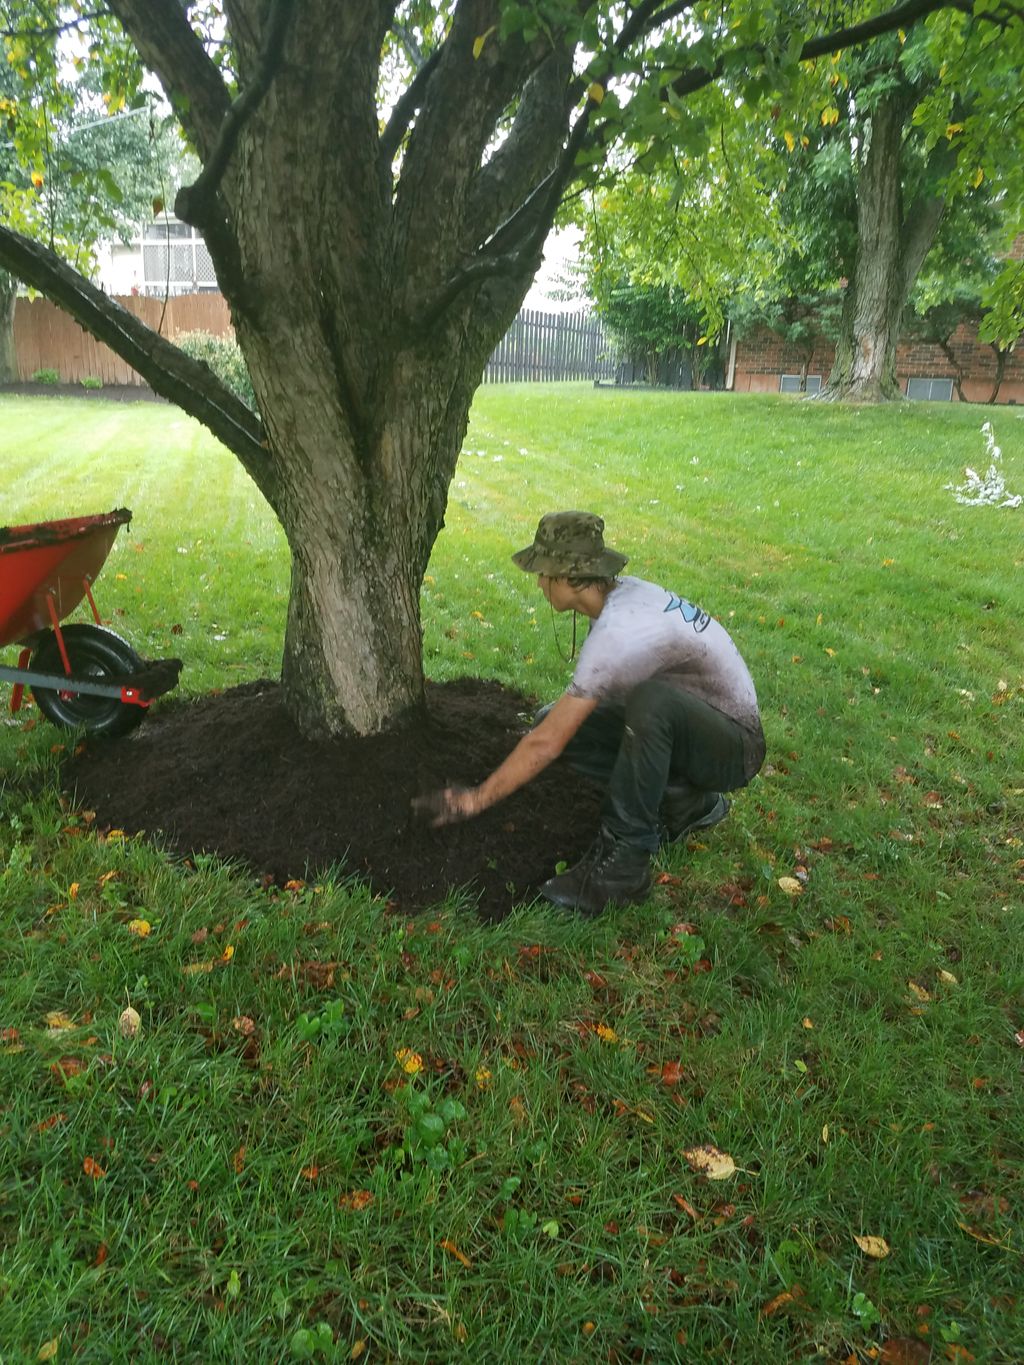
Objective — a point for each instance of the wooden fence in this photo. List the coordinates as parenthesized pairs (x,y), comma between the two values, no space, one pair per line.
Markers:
(546,347)
(538,346)
(45,338)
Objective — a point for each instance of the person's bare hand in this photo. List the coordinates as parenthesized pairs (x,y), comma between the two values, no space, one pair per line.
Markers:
(447,807)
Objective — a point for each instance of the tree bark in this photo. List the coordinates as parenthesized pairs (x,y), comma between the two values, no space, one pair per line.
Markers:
(8,356)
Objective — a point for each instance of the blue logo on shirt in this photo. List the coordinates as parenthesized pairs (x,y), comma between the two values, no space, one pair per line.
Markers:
(695,616)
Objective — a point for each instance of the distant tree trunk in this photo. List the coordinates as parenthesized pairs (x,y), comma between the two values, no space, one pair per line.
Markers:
(8,358)
(1002,356)
(958,374)
(891,247)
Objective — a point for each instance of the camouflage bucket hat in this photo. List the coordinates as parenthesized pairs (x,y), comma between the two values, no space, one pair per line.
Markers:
(570,545)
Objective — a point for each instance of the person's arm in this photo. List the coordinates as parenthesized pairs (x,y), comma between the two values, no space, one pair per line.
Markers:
(531,755)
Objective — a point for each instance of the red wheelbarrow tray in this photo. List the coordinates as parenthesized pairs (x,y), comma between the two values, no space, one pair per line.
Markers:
(47,568)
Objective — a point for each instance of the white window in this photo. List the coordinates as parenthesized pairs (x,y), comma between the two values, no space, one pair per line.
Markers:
(790,383)
(175,259)
(933,390)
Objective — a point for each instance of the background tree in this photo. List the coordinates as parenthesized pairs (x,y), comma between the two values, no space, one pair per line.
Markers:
(73,175)
(834,190)
(378,181)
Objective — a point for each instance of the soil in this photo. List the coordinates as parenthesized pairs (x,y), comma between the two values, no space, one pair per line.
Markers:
(111,393)
(231,775)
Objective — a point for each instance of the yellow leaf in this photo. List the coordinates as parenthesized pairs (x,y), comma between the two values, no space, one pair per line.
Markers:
(709,1161)
(139,927)
(790,140)
(358,1347)
(411,1062)
(58,1021)
(877,1247)
(824,1134)
(948,977)
(37,180)
(228,953)
(902,36)
(606,1034)
(953,128)
(192,968)
(73,891)
(48,1350)
(888,563)
(918,992)
(808,1023)
(829,115)
(791,886)
(979,176)
(483,1078)
(595,91)
(702,341)
(478,43)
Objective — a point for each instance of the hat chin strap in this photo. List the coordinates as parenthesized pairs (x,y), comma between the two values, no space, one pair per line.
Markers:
(554,632)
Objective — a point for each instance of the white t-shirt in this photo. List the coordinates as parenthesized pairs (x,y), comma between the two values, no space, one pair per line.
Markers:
(647,632)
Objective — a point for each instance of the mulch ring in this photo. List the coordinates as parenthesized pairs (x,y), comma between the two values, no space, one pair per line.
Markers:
(230,774)
(112,393)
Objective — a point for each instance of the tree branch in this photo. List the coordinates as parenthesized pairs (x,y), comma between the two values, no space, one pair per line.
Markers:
(405,110)
(186,382)
(195,203)
(167,45)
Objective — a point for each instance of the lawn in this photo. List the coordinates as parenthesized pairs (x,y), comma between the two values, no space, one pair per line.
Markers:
(338,1135)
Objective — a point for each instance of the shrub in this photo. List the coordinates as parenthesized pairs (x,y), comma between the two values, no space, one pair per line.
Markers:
(46,377)
(224,359)
(91,382)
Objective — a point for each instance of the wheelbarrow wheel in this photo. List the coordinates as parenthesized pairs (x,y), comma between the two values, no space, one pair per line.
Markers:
(93,652)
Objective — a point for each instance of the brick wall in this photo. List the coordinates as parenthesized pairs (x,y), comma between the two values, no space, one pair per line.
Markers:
(763,357)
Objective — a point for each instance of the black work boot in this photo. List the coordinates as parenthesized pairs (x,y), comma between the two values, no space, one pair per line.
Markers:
(610,873)
(683,810)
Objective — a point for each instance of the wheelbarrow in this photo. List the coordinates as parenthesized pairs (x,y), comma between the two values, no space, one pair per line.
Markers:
(81,675)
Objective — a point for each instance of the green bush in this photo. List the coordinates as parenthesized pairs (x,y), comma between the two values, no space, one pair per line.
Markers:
(46,377)
(224,359)
(91,382)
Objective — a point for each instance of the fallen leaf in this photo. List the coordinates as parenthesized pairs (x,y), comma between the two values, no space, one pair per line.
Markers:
(933,799)
(790,885)
(358,1347)
(239,1160)
(710,1162)
(356,1200)
(93,1169)
(57,1022)
(48,1350)
(918,992)
(195,968)
(411,1062)
(65,1067)
(453,1250)
(808,1023)
(244,1025)
(101,1254)
(787,1297)
(905,1351)
(51,1122)
(606,1034)
(141,928)
(671,1073)
(310,1172)
(876,1247)
(686,1207)
(129,1022)
(948,978)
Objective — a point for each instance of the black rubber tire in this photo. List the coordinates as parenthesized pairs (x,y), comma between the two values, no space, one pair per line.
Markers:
(94,652)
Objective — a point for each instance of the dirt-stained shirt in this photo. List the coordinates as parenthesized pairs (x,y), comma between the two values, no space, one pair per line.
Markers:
(646,632)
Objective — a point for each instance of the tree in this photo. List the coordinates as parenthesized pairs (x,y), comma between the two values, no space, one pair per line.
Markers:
(71,177)
(839,190)
(378,180)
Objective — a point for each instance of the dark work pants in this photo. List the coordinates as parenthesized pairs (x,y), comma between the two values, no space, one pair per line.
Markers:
(658,736)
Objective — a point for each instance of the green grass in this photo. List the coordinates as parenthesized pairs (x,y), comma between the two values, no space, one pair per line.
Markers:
(522,1180)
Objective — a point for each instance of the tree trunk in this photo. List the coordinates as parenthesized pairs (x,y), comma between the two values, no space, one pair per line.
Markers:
(865,363)
(8,357)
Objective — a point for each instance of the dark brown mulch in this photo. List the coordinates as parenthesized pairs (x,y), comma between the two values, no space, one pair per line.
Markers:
(231,775)
(113,393)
